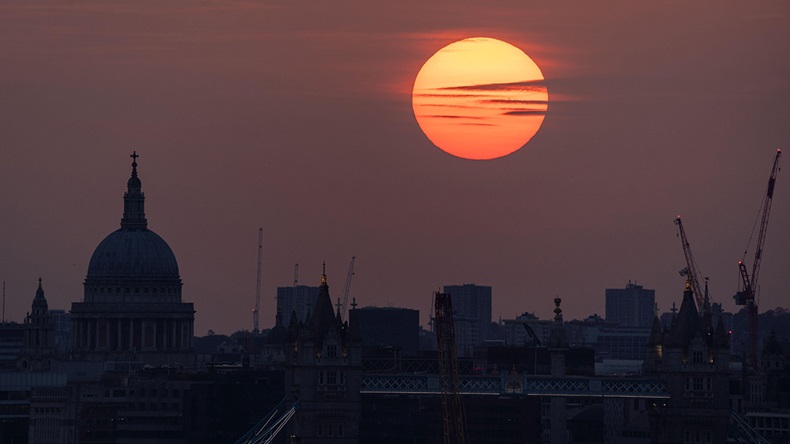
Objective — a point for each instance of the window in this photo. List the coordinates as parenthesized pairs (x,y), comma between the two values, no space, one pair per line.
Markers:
(331,378)
(696,357)
(697,384)
(331,351)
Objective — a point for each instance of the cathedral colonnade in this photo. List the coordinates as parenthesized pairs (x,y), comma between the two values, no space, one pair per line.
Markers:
(132,334)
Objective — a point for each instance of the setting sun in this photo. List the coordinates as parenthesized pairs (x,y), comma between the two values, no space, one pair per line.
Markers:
(480,98)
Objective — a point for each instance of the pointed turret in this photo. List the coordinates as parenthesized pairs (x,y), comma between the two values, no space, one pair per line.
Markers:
(39,339)
(134,201)
(323,316)
(656,334)
(39,301)
(687,323)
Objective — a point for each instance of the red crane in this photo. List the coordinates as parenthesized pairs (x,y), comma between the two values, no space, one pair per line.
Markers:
(747,295)
(452,413)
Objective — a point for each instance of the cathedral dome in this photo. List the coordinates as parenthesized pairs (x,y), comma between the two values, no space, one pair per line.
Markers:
(133,251)
(139,253)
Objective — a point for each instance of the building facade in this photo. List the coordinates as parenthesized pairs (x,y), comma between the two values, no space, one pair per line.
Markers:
(632,306)
(472,307)
(388,327)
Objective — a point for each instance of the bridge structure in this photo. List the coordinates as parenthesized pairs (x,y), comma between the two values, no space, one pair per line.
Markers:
(519,385)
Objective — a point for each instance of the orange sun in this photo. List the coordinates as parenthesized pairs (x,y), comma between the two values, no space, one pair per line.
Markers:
(480,98)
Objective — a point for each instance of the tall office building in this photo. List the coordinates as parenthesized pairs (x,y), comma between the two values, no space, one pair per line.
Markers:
(632,306)
(472,307)
(299,299)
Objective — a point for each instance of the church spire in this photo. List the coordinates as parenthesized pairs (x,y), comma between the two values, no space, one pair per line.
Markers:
(39,299)
(134,201)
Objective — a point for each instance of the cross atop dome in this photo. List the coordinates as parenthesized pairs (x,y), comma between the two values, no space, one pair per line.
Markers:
(134,157)
(134,201)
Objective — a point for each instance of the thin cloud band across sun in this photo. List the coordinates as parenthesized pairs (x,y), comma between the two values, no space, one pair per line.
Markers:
(480,98)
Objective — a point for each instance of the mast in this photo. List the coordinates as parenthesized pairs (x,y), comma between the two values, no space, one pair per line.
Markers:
(257,308)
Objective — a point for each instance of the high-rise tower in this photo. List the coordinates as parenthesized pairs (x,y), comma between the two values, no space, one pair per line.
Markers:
(631,306)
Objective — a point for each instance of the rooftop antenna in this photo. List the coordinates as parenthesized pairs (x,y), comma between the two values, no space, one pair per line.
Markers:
(258,286)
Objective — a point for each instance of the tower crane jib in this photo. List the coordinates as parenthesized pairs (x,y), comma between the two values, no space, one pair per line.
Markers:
(691,271)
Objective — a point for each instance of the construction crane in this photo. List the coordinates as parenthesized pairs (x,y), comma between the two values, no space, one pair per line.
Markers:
(691,272)
(747,296)
(258,286)
(452,410)
(347,287)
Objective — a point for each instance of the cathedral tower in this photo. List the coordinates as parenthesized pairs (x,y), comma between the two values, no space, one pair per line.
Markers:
(39,340)
(132,307)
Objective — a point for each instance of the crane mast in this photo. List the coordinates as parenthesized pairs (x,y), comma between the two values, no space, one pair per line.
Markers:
(257,308)
(452,410)
(691,271)
(747,296)
(347,287)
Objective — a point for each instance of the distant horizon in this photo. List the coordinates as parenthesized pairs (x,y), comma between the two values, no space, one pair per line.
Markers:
(495,319)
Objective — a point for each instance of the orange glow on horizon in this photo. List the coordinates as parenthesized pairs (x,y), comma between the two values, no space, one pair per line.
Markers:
(479,98)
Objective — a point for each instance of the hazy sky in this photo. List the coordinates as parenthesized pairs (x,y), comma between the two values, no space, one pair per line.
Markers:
(296,117)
